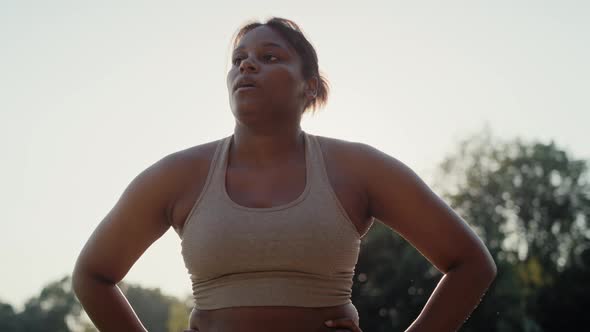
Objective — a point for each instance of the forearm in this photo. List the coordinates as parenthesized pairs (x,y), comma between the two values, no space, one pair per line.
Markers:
(455,297)
(106,306)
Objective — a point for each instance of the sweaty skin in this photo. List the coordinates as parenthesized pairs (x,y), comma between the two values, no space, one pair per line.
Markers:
(349,194)
(367,182)
(272,105)
(268,152)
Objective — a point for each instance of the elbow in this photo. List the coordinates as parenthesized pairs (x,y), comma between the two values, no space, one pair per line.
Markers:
(485,264)
(85,276)
(494,269)
(486,267)
(490,264)
(84,280)
(79,279)
(489,272)
(481,265)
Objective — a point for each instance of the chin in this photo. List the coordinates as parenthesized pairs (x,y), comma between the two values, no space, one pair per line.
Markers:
(245,106)
(246,111)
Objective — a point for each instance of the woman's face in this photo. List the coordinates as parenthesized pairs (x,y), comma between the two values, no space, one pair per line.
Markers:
(265,80)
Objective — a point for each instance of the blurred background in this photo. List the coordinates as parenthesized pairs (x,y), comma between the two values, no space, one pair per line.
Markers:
(487,101)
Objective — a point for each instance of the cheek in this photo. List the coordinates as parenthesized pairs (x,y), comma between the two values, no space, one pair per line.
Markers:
(230,78)
(287,83)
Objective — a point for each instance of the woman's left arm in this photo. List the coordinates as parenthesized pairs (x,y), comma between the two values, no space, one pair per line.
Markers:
(401,200)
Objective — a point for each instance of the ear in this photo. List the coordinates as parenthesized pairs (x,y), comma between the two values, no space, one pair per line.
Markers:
(311,89)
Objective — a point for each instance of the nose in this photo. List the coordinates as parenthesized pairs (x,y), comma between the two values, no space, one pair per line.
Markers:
(248,65)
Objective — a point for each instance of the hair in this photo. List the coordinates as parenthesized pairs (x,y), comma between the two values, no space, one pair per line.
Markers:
(291,32)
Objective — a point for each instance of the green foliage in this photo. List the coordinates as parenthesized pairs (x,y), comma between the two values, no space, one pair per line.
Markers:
(562,306)
(392,281)
(158,312)
(56,309)
(8,318)
(178,315)
(150,305)
(529,203)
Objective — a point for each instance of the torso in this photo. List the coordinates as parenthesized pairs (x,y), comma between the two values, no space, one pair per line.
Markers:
(269,319)
(339,159)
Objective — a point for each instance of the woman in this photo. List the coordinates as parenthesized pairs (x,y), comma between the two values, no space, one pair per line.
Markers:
(271,217)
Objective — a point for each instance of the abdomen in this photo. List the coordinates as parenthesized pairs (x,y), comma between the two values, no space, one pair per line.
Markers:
(269,319)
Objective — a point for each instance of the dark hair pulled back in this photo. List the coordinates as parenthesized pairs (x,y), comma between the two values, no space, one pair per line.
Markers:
(291,32)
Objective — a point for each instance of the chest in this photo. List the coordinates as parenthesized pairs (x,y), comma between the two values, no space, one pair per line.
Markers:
(265,188)
(279,186)
(222,239)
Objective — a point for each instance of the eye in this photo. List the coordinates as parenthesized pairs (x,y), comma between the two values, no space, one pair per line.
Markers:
(270,58)
(237,59)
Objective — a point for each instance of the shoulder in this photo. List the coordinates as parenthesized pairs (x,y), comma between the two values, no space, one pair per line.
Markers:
(198,155)
(392,188)
(361,158)
(345,148)
(340,148)
(190,162)
(170,177)
(381,175)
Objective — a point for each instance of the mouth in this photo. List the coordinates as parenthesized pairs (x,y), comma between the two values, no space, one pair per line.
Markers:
(244,85)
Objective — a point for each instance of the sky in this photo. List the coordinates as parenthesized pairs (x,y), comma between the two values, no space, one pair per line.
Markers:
(92,93)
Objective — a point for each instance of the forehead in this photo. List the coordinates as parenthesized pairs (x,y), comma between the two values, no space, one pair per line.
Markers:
(262,36)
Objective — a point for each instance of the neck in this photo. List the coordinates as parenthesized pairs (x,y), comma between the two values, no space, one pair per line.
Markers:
(266,148)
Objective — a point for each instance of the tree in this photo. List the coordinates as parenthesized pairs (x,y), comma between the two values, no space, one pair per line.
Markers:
(157,311)
(392,281)
(8,318)
(529,202)
(55,309)
(179,314)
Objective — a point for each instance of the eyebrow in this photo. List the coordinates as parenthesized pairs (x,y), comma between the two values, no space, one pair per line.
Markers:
(265,44)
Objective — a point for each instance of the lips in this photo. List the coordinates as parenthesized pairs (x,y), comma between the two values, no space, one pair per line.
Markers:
(244,83)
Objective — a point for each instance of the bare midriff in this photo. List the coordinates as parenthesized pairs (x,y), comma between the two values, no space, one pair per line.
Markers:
(270,319)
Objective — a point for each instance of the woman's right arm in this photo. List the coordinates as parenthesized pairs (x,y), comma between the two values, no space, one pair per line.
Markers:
(138,219)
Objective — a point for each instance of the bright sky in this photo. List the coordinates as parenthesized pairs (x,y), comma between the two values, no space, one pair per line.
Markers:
(91,93)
